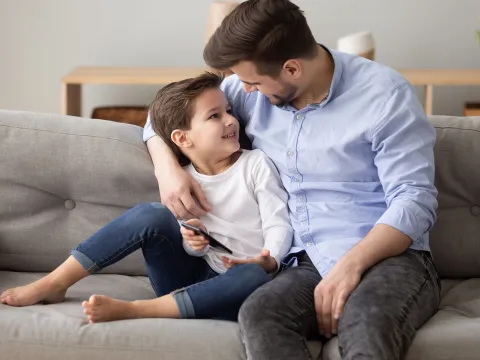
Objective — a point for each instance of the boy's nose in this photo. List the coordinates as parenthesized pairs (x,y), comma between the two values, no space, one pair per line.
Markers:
(231,120)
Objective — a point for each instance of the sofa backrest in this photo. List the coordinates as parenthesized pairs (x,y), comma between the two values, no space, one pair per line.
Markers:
(61,179)
(455,238)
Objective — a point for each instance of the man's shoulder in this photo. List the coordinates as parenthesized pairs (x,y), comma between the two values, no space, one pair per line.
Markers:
(360,70)
(232,86)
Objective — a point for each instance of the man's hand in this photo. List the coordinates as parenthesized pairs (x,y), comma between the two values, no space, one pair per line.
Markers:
(267,262)
(382,242)
(331,294)
(196,242)
(177,193)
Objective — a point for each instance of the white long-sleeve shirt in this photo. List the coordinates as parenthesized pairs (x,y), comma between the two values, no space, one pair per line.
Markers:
(249,210)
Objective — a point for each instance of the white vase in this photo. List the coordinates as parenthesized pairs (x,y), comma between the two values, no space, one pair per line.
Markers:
(216,13)
(360,43)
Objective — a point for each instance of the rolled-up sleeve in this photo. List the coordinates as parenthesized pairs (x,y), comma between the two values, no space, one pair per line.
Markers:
(403,142)
(148,130)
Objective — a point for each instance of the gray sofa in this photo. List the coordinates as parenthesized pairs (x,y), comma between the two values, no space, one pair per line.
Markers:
(62,178)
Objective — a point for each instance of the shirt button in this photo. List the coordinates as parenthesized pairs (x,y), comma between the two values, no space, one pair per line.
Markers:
(300,198)
(309,244)
(299,117)
(304,223)
(290,153)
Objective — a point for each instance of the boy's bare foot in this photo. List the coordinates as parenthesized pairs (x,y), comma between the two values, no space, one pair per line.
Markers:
(39,291)
(101,308)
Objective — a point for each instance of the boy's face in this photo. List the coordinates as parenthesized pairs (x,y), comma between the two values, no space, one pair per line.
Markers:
(213,130)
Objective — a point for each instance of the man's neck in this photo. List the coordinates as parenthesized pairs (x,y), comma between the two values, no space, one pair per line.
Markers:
(319,71)
(214,167)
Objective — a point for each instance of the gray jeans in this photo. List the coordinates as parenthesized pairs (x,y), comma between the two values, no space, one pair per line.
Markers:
(394,298)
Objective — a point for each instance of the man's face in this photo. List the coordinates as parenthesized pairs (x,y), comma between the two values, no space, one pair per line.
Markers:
(279,91)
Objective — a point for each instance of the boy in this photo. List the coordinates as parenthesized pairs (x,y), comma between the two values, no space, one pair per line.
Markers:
(190,278)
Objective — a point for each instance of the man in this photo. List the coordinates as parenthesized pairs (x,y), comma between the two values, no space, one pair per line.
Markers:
(355,152)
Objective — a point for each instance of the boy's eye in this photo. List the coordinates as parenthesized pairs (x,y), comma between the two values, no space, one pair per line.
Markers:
(229,111)
(214,116)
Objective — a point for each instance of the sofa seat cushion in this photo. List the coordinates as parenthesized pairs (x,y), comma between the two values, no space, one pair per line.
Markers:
(452,333)
(61,331)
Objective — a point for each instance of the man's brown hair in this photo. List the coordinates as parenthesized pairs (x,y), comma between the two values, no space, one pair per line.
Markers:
(265,32)
(174,105)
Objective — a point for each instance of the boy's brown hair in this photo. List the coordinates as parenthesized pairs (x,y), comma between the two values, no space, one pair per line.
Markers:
(266,32)
(174,105)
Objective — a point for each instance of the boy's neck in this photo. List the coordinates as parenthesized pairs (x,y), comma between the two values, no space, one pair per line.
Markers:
(217,166)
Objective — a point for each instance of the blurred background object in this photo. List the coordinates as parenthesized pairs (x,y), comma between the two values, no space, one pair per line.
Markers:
(218,10)
(361,43)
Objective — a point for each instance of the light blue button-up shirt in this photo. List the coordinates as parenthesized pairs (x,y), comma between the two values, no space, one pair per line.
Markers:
(363,156)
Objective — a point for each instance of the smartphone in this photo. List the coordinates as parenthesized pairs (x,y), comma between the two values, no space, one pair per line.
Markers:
(211,240)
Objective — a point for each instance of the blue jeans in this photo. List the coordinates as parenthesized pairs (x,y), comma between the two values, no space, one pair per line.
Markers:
(199,291)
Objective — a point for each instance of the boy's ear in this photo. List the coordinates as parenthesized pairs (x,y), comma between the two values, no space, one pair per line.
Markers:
(180,138)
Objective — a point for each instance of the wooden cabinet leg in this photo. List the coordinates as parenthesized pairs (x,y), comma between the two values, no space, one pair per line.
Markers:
(71,99)
(429,100)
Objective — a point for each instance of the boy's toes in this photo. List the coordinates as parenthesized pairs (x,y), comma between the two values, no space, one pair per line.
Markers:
(96,300)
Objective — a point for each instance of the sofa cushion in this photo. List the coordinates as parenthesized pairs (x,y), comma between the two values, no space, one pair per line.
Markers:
(61,179)
(452,333)
(455,238)
(61,331)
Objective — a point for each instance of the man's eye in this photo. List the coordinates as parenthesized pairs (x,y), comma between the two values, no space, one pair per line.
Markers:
(213,116)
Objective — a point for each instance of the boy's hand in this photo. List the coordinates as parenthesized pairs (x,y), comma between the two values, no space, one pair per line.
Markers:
(267,262)
(196,242)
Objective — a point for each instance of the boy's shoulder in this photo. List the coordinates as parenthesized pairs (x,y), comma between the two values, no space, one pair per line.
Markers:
(255,156)
(256,161)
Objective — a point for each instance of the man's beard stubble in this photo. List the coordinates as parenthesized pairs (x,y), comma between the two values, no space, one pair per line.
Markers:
(284,99)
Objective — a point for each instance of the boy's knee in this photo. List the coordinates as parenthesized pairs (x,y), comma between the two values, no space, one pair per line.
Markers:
(153,215)
(252,275)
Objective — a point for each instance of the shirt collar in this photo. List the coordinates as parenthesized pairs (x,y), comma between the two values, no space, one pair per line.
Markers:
(337,74)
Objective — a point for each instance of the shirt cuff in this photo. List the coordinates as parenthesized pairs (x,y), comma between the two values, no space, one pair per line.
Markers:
(196,253)
(278,249)
(404,217)
(148,132)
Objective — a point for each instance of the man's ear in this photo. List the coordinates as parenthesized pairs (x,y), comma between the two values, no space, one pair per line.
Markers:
(180,138)
(292,68)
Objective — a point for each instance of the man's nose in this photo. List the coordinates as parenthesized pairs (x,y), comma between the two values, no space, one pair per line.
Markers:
(249,88)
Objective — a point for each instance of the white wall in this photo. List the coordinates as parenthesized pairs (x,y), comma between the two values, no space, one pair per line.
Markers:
(41,40)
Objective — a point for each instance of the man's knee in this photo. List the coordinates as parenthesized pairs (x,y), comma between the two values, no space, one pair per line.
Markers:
(366,330)
(258,308)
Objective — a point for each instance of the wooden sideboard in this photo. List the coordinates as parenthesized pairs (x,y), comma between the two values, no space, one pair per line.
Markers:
(72,82)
